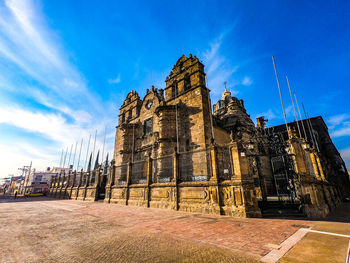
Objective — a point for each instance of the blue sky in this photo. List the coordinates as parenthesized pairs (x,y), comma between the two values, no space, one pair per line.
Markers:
(66,66)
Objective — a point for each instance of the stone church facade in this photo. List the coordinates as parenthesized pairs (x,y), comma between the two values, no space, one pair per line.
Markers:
(173,152)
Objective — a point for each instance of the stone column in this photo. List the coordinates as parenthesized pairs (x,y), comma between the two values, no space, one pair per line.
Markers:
(240,161)
(148,179)
(176,179)
(97,172)
(110,182)
(128,177)
(242,182)
(65,195)
(73,183)
(315,166)
(320,167)
(214,164)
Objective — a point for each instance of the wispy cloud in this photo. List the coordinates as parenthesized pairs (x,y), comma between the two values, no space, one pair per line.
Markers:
(115,80)
(220,69)
(344,131)
(270,114)
(345,153)
(38,67)
(247,81)
(336,120)
(339,125)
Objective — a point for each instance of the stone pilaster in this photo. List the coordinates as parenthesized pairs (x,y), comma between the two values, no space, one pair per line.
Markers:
(242,182)
(176,179)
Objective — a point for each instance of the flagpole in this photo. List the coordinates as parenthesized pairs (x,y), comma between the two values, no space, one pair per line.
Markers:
(75,151)
(87,150)
(311,130)
(301,119)
(295,113)
(65,156)
(279,90)
(81,145)
(71,148)
(93,151)
(61,158)
(210,109)
(104,142)
(310,127)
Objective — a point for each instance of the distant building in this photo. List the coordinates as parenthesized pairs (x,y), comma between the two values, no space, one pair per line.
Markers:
(39,182)
(11,185)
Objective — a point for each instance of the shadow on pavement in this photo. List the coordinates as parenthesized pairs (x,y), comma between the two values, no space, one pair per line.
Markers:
(12,199)
(341,215)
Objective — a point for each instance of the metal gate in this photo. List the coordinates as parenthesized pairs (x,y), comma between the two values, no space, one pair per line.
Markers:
(280,173)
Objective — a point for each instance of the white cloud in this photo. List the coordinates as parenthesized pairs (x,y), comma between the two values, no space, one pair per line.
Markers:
(336,120)
(32,53)
(116,80)
(28,44)
(339,125)
(345,131)
(247,81)
(270,114)
(219,70)
(345,153)
(50,126)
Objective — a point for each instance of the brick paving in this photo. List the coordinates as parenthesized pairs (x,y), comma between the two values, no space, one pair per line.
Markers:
(42,229)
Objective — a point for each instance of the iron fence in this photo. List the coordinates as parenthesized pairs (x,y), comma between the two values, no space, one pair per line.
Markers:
(120,174)
(224,164)
(194,166)
(163,169)
(138,172)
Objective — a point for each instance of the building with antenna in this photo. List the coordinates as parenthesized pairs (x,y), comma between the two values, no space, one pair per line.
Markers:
(173,152)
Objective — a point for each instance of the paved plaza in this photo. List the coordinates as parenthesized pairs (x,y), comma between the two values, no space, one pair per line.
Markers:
(47,230)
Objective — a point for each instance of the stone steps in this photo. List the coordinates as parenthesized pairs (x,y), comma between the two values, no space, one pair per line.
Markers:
(280,209)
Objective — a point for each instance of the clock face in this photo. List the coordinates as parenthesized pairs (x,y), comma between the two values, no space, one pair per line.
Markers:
(149,104)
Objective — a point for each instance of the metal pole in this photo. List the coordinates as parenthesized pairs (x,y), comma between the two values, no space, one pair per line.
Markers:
(301,119)
(310,128)
(81,145)
(209,105)
(295,113)
(87,150)
(133,142)
(313,134)
(279,90)
(75,151)
(104,142)
(176,121)
(61,158)
(65,156)
(70,154)
(93,151)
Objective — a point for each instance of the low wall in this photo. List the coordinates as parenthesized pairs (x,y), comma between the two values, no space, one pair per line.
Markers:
(227,198)
(319,199)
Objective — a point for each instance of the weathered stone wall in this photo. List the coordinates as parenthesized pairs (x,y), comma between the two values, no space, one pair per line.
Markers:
(172,153)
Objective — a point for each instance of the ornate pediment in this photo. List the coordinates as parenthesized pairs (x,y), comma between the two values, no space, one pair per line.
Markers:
(132,96)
